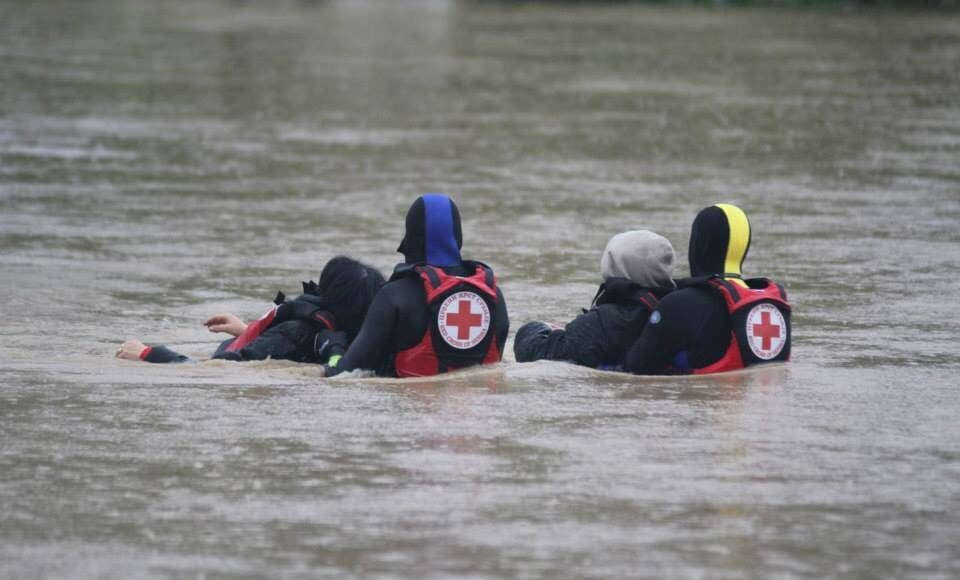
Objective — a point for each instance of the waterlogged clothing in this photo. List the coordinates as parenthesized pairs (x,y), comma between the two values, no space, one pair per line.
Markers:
(299,330)
(293,340)
(159,353)
(598,338)
(400,319)
(404,332)
(463,315)
(691,323)
(716,321)
(314,327)
(636,267)
(696,330)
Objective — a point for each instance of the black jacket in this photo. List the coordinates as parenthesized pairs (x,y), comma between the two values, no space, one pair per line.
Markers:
(598,338)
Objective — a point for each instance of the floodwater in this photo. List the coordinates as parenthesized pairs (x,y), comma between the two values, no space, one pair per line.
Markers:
(163,161)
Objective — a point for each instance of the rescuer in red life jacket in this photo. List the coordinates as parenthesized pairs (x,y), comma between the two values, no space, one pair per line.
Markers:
(715,321)
(438,312)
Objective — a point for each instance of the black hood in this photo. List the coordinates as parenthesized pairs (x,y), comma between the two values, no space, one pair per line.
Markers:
(433,232)
(719,241)
(346,287)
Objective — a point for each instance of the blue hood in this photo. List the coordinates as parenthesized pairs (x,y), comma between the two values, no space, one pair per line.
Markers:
(433,232)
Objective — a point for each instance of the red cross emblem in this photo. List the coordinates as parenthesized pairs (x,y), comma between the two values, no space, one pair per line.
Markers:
(766,331)
(463,320)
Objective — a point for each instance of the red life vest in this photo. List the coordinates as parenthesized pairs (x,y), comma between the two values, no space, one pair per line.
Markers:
(760,319)
(295,309)
(461,329)
(254,329)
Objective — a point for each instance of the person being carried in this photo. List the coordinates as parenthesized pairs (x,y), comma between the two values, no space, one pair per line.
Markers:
(315,327)
(438,312)
(636,267)
(715,321)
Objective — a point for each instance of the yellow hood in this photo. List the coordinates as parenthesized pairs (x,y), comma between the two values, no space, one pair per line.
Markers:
(719,241)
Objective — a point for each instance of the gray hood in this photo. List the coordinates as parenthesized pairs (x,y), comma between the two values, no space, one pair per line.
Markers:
(640,256)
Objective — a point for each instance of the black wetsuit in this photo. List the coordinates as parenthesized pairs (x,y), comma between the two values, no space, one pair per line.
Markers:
(398,319)
(598,338)
(690,329)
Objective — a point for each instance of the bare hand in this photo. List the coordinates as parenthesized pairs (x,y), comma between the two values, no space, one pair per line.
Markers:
(227,323)
(131,350)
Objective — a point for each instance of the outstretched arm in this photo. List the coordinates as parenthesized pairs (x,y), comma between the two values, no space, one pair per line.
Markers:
(136,350)
(225,322)
(294,340)
(367,350)
(581,341)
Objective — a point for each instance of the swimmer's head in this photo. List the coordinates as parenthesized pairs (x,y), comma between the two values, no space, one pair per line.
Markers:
(640,256)
(719,241)
(433,232)
(347,288)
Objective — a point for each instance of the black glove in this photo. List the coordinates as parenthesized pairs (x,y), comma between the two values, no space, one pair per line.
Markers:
(529,337)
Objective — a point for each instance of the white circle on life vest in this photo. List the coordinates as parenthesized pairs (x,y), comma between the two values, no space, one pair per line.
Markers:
(766,331)
(463,320)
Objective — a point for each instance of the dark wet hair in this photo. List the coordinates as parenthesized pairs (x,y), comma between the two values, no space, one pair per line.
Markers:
(347,288)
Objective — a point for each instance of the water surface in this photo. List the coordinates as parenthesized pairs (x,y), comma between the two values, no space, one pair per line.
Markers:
(160,162)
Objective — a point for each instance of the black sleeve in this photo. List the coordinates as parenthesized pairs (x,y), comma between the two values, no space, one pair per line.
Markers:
(367,350)
(581,341)
(162,354)
(689,330)
(292,340)
(652,353)
(329,346)
(532,342)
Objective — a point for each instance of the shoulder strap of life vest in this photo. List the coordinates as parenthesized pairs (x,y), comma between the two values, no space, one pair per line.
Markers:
(254,329)
(436,281)
(758,289)
(623,291)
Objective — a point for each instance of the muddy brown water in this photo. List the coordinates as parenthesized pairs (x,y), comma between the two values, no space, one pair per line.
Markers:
(162,161)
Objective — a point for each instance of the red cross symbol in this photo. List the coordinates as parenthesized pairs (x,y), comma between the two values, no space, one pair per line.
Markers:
(464,319)
(766,330)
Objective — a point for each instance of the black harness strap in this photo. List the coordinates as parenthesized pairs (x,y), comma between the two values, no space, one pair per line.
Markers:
(488,277)
(600,291)
(734,293)
(431,275)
